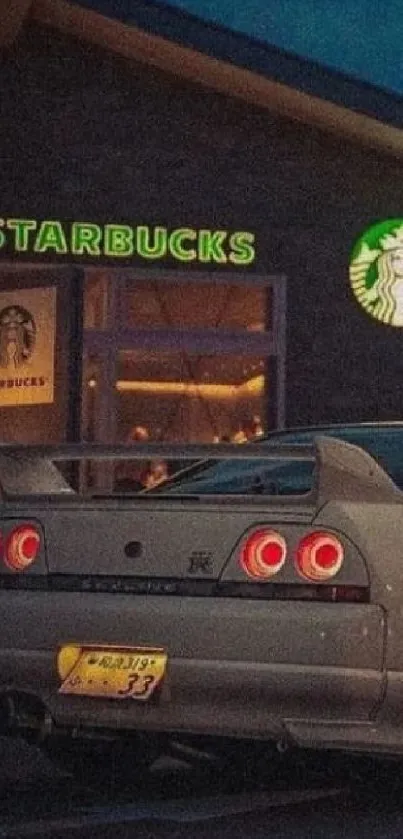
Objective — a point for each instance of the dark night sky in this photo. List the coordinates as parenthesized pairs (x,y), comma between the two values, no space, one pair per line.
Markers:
(363,38)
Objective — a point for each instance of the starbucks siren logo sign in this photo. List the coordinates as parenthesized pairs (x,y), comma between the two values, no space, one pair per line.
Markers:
(17,337)
(376,271)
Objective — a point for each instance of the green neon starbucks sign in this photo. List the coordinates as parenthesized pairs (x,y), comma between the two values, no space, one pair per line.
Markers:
(376,271)
(32,237)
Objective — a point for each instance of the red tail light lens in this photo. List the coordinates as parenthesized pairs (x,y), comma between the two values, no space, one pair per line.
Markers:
(263,554)
(21,547)
(319,556)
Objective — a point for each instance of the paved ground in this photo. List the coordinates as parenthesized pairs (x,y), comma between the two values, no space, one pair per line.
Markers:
(291,798)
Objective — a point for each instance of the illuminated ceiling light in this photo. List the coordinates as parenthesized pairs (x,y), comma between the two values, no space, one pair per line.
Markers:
(252,387)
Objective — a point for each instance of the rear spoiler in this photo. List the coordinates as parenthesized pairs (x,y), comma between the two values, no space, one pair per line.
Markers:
(346,472)
(342,470)
(163,451)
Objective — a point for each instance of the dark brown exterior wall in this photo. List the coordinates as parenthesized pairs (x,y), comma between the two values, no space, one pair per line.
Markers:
(89,136)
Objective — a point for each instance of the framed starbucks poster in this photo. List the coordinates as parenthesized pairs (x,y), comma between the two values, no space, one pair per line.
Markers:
(27,346)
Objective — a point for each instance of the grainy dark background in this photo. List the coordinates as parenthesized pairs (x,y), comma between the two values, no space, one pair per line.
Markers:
(87,135)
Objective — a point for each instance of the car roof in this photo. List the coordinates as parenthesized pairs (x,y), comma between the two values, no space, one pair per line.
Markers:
(337,426)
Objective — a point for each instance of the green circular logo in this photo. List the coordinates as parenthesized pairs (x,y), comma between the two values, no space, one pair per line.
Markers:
(376,271)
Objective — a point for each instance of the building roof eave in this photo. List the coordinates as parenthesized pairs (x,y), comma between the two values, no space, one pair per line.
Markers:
(191,65)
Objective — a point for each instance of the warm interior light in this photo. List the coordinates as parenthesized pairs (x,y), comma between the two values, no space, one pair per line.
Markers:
(254,386)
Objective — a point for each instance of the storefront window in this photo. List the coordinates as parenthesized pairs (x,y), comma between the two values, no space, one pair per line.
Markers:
(179,360)
(197,305)
(178,397)
(181,397)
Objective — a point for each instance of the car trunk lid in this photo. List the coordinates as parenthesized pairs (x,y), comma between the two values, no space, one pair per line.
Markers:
(154,538)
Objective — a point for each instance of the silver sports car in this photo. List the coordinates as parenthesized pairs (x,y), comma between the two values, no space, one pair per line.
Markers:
(257,594)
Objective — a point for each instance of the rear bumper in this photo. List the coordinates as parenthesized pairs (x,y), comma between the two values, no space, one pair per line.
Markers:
(220,698)
(235,668)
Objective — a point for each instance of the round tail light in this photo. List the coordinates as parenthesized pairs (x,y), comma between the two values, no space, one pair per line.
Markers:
(21,547)
(319,556)
(263,554)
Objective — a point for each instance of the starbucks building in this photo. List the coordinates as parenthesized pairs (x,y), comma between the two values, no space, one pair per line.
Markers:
(201,237)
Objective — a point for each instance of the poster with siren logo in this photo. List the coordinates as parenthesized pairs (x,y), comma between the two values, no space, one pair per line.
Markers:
(27,346)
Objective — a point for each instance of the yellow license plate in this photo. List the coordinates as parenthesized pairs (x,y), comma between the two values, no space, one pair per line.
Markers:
(110,672)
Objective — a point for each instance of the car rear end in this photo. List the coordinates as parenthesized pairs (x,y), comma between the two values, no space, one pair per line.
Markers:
(227,616)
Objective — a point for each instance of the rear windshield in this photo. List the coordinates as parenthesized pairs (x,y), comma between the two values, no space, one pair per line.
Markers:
(271,477)
(34,476)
